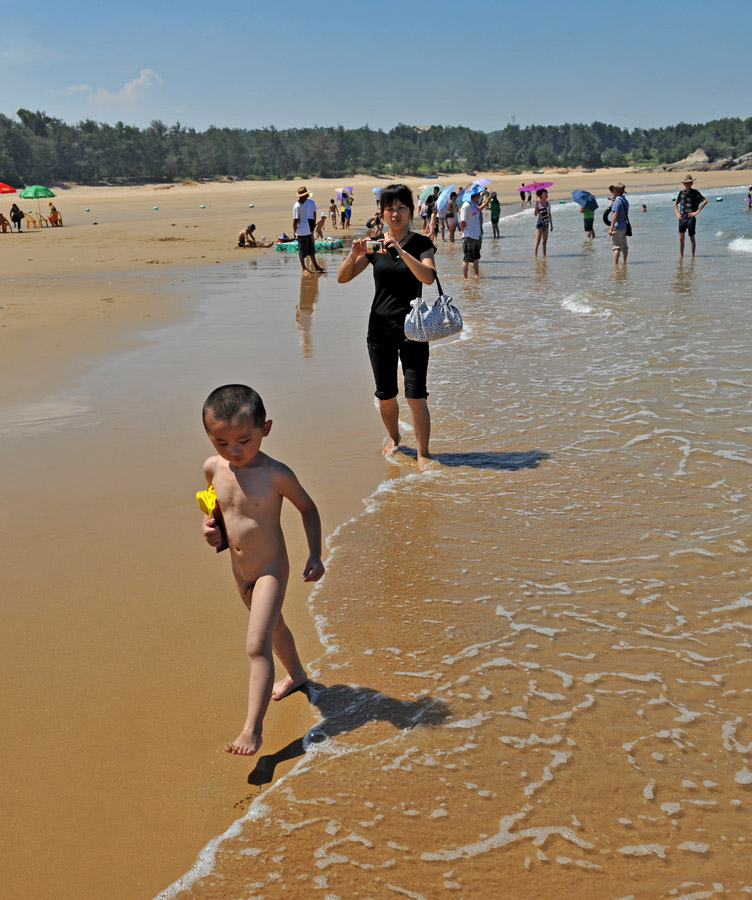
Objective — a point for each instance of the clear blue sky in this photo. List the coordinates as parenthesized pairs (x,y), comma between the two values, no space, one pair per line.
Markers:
(289,63)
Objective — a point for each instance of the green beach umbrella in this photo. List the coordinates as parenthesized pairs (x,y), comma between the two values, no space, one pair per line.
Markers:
(36,192)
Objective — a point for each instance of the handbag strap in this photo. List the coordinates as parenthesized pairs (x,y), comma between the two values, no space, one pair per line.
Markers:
(438,284)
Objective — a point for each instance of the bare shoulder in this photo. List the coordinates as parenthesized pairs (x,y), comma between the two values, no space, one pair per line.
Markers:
(279,471)
(211,465)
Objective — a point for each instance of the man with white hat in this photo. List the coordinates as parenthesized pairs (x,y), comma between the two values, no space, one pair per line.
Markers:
(301,229)
(687,205)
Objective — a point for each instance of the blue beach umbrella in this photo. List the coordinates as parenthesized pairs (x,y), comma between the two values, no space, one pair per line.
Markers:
(443,198)
(585,199)
(376,190)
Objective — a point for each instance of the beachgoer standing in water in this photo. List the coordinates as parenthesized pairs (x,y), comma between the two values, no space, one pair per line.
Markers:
(400,269)
(470,229)
(250,487)
(301,229)
(687,206)
(544,221)
(619,221)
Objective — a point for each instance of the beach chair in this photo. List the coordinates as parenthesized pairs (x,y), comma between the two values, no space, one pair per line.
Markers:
(42,221)
(31,221)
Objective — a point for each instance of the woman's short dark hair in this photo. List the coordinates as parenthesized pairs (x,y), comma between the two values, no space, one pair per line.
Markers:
(399,192)
(235,401)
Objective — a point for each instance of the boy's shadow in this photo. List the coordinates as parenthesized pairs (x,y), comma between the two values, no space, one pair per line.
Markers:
(344,709)
(487,459)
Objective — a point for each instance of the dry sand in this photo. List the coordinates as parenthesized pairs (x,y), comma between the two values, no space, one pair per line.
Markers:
(113,662)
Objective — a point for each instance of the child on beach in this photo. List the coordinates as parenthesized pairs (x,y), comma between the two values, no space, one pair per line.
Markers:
(543,222)
(250,487)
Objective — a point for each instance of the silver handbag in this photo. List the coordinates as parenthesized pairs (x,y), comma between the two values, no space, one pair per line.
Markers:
(429,322)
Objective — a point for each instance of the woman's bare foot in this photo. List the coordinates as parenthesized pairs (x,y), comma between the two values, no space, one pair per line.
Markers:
(247,743)
(424,462)
(391,445)
(287,685)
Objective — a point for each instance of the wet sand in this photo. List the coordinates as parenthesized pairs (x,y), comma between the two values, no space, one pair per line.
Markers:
(122,639)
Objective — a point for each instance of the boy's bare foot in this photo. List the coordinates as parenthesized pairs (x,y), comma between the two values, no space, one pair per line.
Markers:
(390,446)
(424,462)
(287,685)
(247,743)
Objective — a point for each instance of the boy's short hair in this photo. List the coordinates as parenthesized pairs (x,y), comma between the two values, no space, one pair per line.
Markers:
(235,401)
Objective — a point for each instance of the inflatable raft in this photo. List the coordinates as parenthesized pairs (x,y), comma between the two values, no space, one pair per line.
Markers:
(292,246)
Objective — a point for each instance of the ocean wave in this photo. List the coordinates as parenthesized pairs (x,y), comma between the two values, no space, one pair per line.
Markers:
(741,245)
(582,304)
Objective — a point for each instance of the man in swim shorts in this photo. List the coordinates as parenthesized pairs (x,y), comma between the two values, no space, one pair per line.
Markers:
(687,205)
(619,221)
(301,230)
(470,230)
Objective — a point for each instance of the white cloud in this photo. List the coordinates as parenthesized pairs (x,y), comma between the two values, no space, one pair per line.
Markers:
(129,95)
(77,88)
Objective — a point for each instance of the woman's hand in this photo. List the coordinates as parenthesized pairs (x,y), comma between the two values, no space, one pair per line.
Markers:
(358,248)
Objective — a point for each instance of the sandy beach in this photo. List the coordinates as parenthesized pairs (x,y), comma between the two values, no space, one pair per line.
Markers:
(122,639)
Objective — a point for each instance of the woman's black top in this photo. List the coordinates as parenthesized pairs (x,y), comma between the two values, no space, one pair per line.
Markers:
(395,284)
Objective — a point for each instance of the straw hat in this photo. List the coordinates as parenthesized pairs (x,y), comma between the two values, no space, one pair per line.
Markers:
(688,179)
(302,191)
(617,187)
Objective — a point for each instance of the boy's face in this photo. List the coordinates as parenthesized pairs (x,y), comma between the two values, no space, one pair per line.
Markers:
(238,441)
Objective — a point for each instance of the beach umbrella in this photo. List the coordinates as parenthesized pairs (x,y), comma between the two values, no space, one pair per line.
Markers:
(426,191)
(6,188)
(443,198)
(585,199)
(535,186)
(376,190)
(483,182)
(36,192)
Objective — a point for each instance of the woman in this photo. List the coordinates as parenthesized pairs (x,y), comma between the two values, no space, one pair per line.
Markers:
(400,269)
(451,215)
(16,216)
(543,222)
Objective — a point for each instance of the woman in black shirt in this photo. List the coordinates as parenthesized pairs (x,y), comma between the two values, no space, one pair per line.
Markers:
(400,269)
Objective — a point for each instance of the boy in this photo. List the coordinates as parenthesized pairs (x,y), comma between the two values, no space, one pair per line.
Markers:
(250,487)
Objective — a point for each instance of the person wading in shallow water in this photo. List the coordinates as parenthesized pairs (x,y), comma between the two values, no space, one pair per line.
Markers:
(402,265)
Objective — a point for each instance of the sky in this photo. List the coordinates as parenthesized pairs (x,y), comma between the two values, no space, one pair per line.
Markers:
(291,64)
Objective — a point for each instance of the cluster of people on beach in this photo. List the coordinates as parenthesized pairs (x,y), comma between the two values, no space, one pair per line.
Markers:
(17,216)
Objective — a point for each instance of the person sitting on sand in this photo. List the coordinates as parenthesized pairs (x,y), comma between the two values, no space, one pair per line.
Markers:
(5,224)
(246,238)
(250,487)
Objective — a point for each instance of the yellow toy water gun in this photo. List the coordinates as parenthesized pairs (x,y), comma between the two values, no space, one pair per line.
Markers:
(207,503)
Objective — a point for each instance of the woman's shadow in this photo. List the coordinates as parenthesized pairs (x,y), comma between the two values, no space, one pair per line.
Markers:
(344,709)
(511,460)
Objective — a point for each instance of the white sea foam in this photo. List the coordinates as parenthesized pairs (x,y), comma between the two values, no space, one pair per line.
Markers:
(741,245)
(582,304)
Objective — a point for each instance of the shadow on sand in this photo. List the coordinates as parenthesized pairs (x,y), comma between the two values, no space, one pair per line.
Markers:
(344,709)
(510,460)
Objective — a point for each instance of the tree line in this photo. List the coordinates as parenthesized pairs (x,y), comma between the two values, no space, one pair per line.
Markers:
(39,149)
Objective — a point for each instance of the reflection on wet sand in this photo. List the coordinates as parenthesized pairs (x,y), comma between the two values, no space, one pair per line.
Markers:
(309,294)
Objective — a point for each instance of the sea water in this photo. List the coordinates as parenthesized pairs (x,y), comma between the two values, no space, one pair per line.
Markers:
(536,657)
